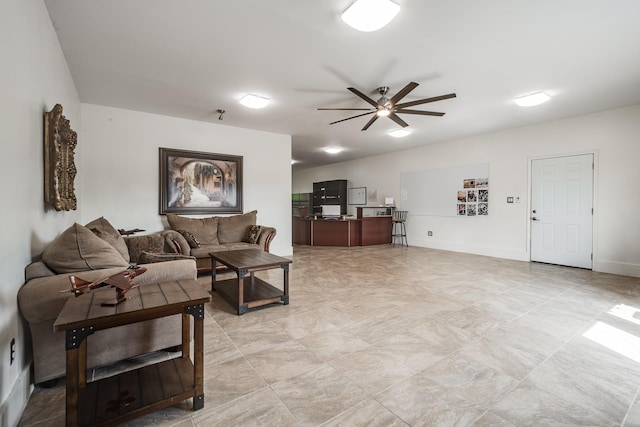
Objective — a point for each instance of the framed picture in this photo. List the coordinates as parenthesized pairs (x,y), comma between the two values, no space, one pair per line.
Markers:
(357,196)
(195,182)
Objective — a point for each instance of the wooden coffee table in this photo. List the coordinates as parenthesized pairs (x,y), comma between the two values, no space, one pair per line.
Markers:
(245,293)
(122,397)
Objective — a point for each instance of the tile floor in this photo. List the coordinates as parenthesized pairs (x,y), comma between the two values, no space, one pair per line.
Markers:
(383,336)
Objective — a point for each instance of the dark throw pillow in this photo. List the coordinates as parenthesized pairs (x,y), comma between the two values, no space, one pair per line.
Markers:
(252,234)
(191,239)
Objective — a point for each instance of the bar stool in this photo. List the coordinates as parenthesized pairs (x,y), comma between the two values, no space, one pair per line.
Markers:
(398,228)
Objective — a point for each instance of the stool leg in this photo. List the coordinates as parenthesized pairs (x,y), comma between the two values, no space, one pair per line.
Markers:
(404,233)
(393,234)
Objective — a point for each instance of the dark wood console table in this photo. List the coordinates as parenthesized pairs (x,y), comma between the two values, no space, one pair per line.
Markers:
(122,397)
(245,294)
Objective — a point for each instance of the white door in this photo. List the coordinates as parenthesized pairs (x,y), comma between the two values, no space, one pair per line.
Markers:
(562,210)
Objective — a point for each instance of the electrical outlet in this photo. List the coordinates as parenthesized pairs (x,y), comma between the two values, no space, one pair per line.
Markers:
(510,199)
(430,233)
(12,347)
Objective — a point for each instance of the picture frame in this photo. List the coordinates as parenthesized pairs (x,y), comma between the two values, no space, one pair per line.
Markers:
(60,142)
(197,182)
(357,195)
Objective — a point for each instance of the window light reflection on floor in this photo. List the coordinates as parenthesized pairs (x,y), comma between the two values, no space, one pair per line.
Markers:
(615,339)
(626,312)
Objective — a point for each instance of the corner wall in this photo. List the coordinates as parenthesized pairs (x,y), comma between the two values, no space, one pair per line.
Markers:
(612,135)
(119,173)
(33,78)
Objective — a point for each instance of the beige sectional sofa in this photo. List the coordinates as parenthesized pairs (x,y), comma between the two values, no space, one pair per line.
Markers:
(93,252)
(200,236)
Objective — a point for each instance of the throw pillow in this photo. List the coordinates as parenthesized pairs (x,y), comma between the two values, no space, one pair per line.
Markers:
(149,243)
(104,230)
(252,234)
(78,249)
(190,238)
(231,229)
(150,258)
(204,229)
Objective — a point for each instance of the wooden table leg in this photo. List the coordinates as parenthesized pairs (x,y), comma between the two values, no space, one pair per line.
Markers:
(198,360)
(242,307)
(76,378)
(285,297)
(213,275)
(186,336)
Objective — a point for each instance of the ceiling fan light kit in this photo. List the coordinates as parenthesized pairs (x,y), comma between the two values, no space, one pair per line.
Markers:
(370,15)
(254,101)
(390,107)
(532,99)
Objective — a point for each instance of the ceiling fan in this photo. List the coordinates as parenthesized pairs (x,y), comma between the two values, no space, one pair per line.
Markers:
(389,107)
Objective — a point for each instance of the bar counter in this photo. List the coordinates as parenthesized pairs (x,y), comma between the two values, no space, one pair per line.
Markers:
(351,231)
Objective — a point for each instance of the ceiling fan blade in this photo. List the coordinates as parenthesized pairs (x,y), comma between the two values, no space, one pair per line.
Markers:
(398,120)
(370,122)
(363,96)
(404,92)
(422,113)
(425,100)
(353,117)
(345,109)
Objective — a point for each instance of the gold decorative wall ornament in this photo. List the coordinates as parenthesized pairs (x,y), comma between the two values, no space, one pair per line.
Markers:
(59,167)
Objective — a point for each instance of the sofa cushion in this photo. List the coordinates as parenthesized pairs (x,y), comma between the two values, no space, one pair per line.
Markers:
(233,228)
(78,249)
(252,234)
(239,245)
(37,269)
(191,239)
(204,229)
(104,230)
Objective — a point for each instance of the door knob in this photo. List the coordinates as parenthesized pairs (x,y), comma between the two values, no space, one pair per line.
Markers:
(533,218)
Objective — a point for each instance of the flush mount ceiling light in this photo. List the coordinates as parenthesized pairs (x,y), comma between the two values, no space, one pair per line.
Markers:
(370,15)
(399,133)
(254,101)
(532,99)
(333,150)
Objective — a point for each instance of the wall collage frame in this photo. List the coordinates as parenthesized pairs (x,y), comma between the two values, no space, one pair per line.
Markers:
(473,199)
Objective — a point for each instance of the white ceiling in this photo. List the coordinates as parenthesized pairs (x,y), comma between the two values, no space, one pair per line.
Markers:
(189,58)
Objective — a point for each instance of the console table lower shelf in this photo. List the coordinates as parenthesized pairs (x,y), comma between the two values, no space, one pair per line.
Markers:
(135,393)
(256,293)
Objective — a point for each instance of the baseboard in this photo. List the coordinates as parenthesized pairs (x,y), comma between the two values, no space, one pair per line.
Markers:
(11,409)
(475,250)
(614,267)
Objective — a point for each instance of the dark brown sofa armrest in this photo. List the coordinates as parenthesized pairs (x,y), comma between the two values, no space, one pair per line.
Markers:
(266,236)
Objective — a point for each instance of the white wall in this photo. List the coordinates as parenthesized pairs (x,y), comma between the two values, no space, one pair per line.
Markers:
(611,135)
(33,78)
(117,161)
(120,177)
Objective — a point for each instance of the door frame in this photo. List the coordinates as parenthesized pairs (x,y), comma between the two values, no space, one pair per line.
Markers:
(596,160)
